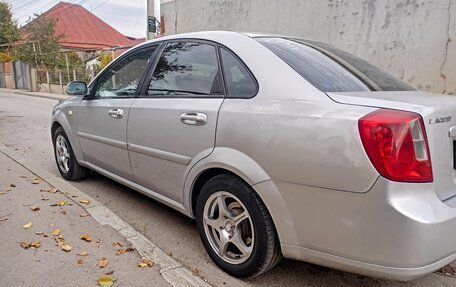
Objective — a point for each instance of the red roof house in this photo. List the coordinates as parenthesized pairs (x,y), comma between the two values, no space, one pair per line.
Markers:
(83,30)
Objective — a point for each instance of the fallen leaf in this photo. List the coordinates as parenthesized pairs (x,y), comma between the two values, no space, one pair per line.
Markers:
(103,262)
(81,261)
(39,233)
(105,281)
(35,181)
(86,237)
(66,247)
(34,207)
(12,185)
(83,253)
(52,190)
(59,203)
(195,272)
(25,245)
(145,263)
(56,232)
(120,251)
(84,201)
(84,214)
(109,272)
(35,244)
(117,243)
(27,226)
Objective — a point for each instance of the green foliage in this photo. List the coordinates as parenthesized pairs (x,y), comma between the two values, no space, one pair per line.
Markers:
(73,61)
(9,32)
(105,59)
(41,45)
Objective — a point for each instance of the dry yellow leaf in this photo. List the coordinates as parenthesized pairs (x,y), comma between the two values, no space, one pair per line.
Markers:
(27,226)
(103,262)
(84,201)
(83,253)
(81,261)
(61,203)
(34,178)
(66,247)
(145,263)
(35,244)
(105,281)
(84,214)
(117,243)
(25,245)
(56,232)
(34,207)
(86,237)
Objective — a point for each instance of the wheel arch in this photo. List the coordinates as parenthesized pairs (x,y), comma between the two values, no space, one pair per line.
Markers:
(59,120)
(229,161)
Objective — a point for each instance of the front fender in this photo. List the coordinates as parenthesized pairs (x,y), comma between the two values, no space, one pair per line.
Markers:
(70,130)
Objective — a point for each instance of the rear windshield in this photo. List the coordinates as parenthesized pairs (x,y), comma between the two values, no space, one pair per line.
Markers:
(330,69)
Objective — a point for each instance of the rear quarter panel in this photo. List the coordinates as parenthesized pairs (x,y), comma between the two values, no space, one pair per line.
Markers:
(314,143)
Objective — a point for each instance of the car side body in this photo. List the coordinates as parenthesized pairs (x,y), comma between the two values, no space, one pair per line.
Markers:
(297,147)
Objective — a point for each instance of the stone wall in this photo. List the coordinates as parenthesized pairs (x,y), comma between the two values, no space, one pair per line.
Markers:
(411,39)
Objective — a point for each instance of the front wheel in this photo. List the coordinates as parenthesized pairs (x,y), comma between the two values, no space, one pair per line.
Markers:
(64,156)
(235,227)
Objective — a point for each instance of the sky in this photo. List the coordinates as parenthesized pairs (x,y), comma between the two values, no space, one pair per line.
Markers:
(126,16)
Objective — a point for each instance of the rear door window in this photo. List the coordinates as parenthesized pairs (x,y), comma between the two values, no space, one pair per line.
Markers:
(186,69)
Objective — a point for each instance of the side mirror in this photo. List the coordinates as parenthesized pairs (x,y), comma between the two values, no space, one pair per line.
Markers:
(76,88)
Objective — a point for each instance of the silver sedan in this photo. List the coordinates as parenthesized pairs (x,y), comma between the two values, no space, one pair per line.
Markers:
(278,146)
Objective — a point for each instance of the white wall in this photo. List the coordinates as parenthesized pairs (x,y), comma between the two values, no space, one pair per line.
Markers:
(407,38)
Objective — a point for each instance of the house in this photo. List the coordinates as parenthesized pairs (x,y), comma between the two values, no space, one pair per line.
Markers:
(82,31)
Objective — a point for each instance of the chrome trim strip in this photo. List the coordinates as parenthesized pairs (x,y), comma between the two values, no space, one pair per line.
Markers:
(177,158)
(111,142)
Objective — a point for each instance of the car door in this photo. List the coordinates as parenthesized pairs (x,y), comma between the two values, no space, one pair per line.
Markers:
(173,122)
(103,116)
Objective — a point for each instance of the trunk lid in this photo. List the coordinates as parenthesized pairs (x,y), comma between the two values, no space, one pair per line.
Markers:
(439,116)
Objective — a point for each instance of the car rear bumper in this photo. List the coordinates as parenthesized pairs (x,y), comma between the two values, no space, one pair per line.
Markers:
(395,230)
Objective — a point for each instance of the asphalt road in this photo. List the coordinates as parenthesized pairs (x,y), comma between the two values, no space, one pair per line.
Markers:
(24,129)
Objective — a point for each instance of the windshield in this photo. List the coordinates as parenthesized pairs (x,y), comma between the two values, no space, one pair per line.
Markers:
(330,69)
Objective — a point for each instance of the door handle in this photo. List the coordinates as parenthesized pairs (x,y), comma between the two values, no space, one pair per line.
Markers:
(197,119)
(116,113)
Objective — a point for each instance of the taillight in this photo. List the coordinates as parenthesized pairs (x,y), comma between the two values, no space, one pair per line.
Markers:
(396,144)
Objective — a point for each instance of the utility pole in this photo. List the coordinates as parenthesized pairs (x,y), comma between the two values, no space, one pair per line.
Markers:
(152,19)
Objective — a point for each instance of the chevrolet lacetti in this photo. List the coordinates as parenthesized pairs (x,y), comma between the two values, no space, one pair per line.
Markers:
(278,146)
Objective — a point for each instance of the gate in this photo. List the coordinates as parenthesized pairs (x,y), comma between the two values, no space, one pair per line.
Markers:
(20,75)
(2,76)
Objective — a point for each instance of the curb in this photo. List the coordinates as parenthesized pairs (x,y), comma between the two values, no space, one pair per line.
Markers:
(172,271)
(19,92)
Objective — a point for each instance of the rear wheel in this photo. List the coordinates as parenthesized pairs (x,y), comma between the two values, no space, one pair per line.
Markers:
(66,161)
(235,227)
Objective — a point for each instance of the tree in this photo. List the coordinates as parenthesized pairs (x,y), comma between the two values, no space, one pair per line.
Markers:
(9,32)
(104,60)
(40,45)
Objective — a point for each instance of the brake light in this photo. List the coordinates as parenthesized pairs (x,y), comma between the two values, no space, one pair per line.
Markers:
(396,144)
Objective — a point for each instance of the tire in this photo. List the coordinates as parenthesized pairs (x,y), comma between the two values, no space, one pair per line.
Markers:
(254,231)
(68,167)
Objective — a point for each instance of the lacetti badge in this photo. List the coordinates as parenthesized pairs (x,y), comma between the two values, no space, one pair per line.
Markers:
(439,120)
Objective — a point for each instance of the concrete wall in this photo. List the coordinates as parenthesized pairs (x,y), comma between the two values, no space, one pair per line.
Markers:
(408,38)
